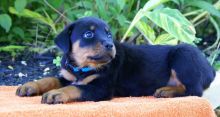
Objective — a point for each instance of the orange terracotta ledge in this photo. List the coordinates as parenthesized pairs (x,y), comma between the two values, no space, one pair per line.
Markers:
(11,105)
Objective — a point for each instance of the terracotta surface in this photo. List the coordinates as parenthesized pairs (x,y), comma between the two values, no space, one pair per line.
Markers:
(11,105)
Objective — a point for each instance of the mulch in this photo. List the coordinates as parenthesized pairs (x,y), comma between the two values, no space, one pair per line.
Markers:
(26,67)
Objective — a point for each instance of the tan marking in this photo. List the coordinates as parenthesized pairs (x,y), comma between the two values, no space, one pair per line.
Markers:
(174,81)
(38,87)
(89,79)
(67,75)
(47,84)
(80,55)
(72,91)
(174,87)
(62,95)
(170,91)
(92,27)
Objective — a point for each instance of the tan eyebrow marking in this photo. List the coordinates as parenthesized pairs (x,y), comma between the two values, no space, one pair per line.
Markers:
(92,27)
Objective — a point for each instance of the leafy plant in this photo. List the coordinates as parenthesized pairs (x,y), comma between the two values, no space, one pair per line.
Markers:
(33,15)
(5,21)
(57,61)
(34,23)
(176,28)
(13,49)
(171,20)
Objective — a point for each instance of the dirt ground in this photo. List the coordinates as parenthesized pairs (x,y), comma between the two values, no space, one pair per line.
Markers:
(26,67)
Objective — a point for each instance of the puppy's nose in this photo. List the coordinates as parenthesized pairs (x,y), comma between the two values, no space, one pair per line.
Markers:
(108,45)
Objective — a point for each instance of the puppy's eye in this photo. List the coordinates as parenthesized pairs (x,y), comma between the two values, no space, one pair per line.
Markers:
(109,35)
(88,35)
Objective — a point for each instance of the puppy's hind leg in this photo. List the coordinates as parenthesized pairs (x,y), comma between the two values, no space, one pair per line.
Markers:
(174,88)
(191,68)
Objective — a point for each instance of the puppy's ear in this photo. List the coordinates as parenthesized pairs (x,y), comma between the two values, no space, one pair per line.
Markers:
(63,40)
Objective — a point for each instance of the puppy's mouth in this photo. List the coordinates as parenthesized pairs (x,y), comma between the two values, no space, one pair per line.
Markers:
(101,58)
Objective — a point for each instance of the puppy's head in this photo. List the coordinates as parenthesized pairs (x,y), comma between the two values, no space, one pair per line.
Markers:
(88,41)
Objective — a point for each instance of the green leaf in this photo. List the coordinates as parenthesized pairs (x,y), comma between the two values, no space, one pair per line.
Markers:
(146,31)
(34,15)
(121,19)
(204,5)
(151,4)
(136,19)
(101,9)
(85,4)
(55,3)
(57,61)
(20,5)
(165,39)
(178,2)
(88,13)
(18,31)
(217,65)
(5,22)
(121,4)
(172,21)
(12,48)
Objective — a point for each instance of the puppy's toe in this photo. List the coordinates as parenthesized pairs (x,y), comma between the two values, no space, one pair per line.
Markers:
(54,97)
(28,89)
(164,93)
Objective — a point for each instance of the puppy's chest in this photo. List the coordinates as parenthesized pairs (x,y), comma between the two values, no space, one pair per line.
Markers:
(78,78)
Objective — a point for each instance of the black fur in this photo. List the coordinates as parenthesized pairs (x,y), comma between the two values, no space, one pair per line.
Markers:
(140,70)
(62,40)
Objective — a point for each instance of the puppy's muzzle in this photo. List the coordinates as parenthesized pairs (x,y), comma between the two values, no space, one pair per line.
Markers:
(108,46)
(106,55)
(101,58)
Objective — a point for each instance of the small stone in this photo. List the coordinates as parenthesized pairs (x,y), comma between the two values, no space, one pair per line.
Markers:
(22,75)
(41,64)
(46,69)
(10,67)
(24,63)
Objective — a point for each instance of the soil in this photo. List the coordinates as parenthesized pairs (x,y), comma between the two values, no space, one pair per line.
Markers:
(26,67)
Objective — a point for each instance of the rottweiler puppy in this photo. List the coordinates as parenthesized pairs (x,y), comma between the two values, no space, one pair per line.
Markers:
(95,68)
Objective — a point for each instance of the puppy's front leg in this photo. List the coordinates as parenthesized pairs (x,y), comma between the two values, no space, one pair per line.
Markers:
(75,93)
(39,87)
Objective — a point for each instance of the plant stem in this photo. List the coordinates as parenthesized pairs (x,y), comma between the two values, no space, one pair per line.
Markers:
(218,35)
(48,4)
(192,13)
(151,4)
(201,21)
(205,13)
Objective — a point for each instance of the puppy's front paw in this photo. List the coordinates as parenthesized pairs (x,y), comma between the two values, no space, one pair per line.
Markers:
(28,89)
(54,97)
(62,95)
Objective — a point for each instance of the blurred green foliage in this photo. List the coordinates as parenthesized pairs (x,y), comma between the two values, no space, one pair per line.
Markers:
(34,23)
